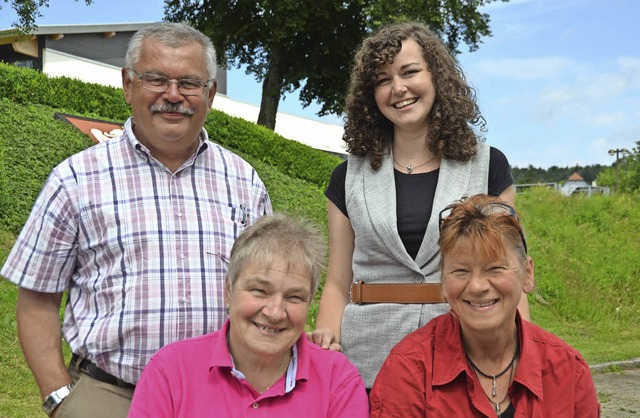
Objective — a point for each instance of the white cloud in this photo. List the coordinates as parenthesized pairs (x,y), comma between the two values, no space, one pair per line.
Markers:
(544,68)
(529,6)
(603,98)
(604,86)
(630,68)
(629,63)
(599,146)
(610,118)
(559,82)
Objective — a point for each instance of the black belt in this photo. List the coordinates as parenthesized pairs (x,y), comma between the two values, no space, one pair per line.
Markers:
(89,368)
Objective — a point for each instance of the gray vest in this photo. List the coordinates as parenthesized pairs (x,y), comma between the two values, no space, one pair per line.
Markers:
(370,331)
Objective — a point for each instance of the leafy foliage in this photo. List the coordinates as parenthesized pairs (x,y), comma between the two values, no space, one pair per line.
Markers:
(27,86)
(33,145)
(28,11)
(555,174)
(309,44)
(290,157)
(627,173)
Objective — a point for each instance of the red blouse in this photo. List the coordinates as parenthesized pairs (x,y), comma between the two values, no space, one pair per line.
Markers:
(427,375)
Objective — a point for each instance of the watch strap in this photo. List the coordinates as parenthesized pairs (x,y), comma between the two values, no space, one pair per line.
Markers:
(55,398)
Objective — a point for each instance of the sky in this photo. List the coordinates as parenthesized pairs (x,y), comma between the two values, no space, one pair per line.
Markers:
(558,82)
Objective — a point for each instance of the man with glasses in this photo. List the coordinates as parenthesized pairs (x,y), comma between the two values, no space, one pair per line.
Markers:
(136,230)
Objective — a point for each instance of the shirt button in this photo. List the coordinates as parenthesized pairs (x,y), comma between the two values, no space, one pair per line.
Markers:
(179,213)
(182,256)
(255,405)
(183,300)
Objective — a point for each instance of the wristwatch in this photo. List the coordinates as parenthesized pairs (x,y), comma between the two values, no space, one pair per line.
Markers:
(55,398)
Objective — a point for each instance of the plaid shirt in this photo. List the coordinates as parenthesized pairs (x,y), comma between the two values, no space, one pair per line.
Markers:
(141,250)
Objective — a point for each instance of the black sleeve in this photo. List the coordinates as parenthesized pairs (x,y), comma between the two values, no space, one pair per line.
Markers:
(499,172)
(335,190)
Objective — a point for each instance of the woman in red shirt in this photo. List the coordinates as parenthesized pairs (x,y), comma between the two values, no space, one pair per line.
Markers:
(481,359)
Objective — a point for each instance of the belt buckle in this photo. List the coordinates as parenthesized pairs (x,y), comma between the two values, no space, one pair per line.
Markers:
(356,292)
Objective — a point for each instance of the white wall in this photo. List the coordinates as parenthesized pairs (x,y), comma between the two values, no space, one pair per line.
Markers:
(316,134)
(58,64)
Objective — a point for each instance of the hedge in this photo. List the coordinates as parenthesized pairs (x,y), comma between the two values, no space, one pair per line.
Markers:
(29,87)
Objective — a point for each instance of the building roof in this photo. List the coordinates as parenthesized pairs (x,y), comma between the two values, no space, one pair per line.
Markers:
(576,177)
(74,29)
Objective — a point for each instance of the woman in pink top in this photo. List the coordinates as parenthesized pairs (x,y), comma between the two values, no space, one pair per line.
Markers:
(482,359)
(260,364)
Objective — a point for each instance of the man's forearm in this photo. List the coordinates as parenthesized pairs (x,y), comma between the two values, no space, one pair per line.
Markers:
(40,334)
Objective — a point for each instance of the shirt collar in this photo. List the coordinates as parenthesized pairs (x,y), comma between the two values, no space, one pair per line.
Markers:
(529,373)
(298,368)
(137,145)
(448,356)
(449,359)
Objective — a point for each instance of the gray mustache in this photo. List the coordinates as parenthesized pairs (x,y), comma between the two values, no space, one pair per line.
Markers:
(172,108)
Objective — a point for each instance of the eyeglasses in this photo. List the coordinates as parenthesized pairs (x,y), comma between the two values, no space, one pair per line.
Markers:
(160,84)
(488,209)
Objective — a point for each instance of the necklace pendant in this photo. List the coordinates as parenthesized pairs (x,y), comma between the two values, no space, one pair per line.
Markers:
(409,168)
(493,389)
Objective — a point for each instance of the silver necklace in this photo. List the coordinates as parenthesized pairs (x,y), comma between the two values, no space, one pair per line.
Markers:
(279,375)
(410,167)
(494,393)
(497,404)
(496,376)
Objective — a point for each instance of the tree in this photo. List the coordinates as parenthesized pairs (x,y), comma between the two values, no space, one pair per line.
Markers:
(555,174)
(309,44)
(628,175)
(28,11)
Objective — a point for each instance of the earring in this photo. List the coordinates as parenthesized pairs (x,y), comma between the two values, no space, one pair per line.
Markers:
(227,308)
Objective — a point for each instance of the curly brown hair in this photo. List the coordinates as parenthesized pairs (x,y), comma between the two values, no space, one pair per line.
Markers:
(368,133)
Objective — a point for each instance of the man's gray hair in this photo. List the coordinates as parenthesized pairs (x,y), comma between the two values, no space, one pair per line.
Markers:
(174,35)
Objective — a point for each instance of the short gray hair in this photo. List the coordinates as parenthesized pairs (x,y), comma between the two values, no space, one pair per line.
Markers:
(298,242)
(174,35)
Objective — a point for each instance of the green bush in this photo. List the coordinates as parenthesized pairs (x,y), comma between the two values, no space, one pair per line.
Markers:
(32,143)
(624,174)
(4,179)
(26,86)
(290,157)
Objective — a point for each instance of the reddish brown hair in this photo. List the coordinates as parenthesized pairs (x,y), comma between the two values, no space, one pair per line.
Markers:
(490,232)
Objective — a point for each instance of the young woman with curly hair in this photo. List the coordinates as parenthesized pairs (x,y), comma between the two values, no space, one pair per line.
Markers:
(411,129)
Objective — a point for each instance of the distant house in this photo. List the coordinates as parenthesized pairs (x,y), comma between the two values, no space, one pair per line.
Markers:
(92,53)
(576,184)
(95,54)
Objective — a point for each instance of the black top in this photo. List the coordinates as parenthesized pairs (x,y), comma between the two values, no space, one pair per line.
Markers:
(415,193)
(509,412)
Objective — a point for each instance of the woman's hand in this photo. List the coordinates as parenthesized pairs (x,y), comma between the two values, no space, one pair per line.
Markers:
(325,339)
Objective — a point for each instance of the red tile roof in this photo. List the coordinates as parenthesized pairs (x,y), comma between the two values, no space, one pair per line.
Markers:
(576,177)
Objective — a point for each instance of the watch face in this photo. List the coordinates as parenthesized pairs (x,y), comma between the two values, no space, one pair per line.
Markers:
(50,404)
